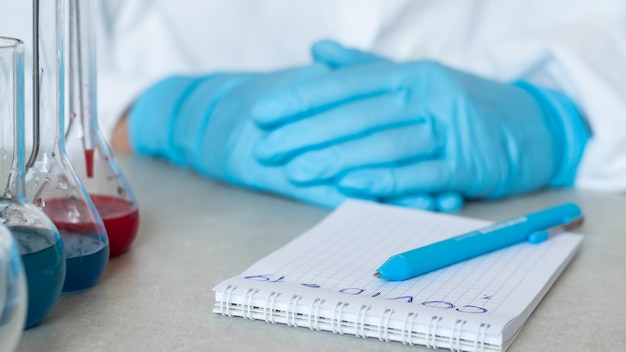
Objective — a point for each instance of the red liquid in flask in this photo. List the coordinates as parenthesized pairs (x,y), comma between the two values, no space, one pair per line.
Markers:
(66,215)
(121,220)
(120,217)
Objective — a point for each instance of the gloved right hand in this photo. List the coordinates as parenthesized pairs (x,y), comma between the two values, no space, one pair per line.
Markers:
(205,123)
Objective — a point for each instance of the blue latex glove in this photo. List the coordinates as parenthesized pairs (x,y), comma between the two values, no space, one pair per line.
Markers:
(388,129)
(336,56)
(205,123)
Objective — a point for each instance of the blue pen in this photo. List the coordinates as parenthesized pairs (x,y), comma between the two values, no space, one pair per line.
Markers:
(534,228)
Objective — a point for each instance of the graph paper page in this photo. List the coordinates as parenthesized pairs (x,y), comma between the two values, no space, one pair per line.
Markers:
(338,256)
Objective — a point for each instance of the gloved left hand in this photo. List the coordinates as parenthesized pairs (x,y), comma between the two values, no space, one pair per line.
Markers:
(443,130)
(205,123)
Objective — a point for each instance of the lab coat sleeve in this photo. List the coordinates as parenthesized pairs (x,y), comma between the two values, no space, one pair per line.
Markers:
(585,59)
(590,66)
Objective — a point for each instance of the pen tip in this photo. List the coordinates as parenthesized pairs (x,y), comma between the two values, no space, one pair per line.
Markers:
(377,273)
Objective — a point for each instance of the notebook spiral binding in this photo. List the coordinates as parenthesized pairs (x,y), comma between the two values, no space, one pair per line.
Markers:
(269,311)
(361,319)
(456,334)
(314,323)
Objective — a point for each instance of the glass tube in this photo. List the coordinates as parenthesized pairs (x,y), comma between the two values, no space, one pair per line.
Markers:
(87,149)
(51,182)
(37,238)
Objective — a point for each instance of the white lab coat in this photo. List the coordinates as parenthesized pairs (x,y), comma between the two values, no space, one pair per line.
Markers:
(576,46)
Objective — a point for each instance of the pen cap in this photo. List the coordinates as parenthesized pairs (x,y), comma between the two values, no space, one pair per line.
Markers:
(557,215)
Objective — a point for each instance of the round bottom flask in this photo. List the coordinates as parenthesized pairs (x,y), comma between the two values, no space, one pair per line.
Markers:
(38,241)
(87,149)
(12,292)
(51,183)
(43,257)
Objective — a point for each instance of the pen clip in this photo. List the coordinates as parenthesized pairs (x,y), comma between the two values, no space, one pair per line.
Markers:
(543,235)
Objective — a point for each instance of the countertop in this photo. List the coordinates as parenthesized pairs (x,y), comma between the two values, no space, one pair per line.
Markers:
(195,232)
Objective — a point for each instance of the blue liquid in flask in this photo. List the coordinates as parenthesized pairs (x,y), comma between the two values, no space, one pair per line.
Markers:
(44,265)
(84,258)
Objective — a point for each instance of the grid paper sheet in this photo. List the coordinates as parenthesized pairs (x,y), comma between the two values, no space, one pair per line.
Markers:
(336,260)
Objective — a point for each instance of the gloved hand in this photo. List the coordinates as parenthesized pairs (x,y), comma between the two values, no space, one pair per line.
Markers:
(421,127)
(336,56)
(205,123)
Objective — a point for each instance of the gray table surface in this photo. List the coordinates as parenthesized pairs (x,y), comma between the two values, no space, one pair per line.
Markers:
(195,233)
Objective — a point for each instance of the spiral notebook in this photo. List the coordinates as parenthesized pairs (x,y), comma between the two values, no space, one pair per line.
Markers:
(323,280)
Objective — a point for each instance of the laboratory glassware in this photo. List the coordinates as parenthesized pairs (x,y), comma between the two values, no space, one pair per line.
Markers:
(86,147)
(51,182)
(37,238)
(12,292)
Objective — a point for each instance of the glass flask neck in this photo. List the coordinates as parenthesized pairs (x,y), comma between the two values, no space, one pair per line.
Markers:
(83,115)
(38,240)
(12,118)
(82,59)
(48,79)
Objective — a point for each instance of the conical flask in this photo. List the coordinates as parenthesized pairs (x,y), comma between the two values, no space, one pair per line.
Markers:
(37,238)
(86,147)
(51,182)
